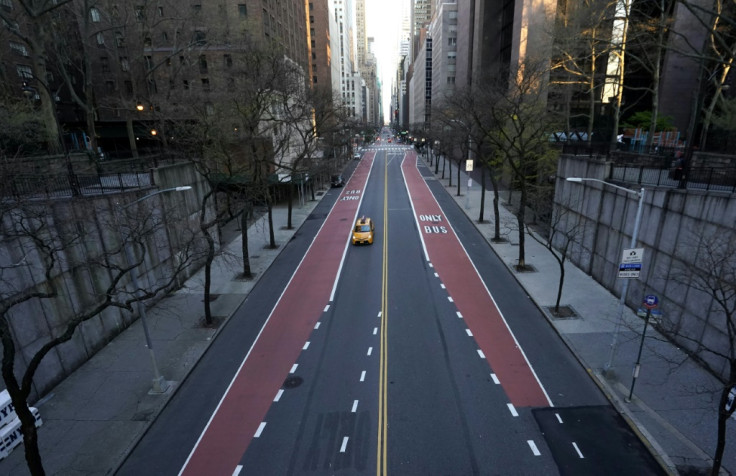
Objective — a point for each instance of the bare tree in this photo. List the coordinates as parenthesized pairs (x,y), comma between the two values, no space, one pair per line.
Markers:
(521,135)
(48,243)
(713,275)
(558,236)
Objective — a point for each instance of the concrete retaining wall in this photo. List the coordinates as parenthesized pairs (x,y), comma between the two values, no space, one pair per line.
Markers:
(96,233)
(670,223)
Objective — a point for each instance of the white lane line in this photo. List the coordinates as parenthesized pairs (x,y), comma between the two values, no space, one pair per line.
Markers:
(293,368)
(482,355)
(512,409)
(380,313)
(578,450)
(306,345)
(449,298)
(370,350)
(468,331)
(442,286)
(375,330)
(344,444)
(533,447)
(260,429)
(327,308)
(316,326)
(436,275)
(238,468)
(459,315)
(278,395)
(355,406)
(431,265)
(559,418)
(362,376)
(495,379)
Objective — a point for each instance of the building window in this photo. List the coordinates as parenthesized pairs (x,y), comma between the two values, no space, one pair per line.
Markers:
(94,15)
(202,64)
(160,11)
(140,13)
(165,36)
(128,87)
(100,39)
(205,84)
(197,8)
(314,55)
(451,80)
(199,38)
(149,62)
(24,71)
(119,39)
(311,18)
(124,65)
(105,63)
(314,79)
(185,85)
(452,41)
(147,42)
(242,10)
(311,6)
(19,48)
(6,4)
(110,86)
(114,11)
(228,61)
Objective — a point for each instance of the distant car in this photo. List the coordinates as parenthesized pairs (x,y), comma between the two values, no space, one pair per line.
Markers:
(363,231)
(356,156)
(337,181)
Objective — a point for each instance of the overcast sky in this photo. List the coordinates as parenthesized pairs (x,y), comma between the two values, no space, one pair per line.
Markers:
(383,23)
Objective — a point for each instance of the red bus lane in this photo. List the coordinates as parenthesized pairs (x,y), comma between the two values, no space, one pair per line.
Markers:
(470,295)
(242,409)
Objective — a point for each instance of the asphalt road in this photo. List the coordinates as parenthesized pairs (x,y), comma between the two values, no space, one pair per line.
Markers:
(424,357)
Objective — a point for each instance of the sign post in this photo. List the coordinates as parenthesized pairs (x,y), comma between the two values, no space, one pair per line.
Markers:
(650,302)
(631,260)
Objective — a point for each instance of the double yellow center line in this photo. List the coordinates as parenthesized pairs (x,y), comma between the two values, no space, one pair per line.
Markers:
(383,371)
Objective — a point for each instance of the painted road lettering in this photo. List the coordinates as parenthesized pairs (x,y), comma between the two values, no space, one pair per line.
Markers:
(351,195)
(428,229)
(434,229)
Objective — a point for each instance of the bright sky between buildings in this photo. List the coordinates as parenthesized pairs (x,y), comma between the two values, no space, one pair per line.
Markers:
(383,23)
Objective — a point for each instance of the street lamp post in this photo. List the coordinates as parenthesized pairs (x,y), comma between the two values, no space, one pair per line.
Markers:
(159,383)
(634,236)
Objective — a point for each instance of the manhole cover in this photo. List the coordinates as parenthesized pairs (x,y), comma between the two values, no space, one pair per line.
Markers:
(293,382)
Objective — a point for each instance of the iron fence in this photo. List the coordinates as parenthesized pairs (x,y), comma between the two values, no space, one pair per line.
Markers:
(722,179)
(33,186)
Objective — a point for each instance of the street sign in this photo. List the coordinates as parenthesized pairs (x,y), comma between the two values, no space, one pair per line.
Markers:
(633,255)
(650,301)
(469,165)
(631,270)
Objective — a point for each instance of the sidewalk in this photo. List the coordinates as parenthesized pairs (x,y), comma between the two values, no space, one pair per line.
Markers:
(674,406)
(95,416)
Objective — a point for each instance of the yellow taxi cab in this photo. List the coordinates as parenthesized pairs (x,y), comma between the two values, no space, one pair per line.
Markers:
(363,231)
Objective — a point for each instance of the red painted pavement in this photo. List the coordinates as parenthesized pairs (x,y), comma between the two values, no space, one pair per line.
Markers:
(267,365)
(471,297)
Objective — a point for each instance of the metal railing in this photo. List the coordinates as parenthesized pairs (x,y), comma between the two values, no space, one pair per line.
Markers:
(722,179)
(32,186)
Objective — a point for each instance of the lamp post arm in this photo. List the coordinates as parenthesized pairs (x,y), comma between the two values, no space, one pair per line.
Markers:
(157,192)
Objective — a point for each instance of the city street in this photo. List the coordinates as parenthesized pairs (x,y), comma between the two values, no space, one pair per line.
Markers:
(418,354)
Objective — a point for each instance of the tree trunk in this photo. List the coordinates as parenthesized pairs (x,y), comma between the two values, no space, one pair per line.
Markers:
(520,221)
(482,193)
(290,197)
(208,275)
(19,397)
(271,236)
(458,178)
(247,273)
(561,262)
